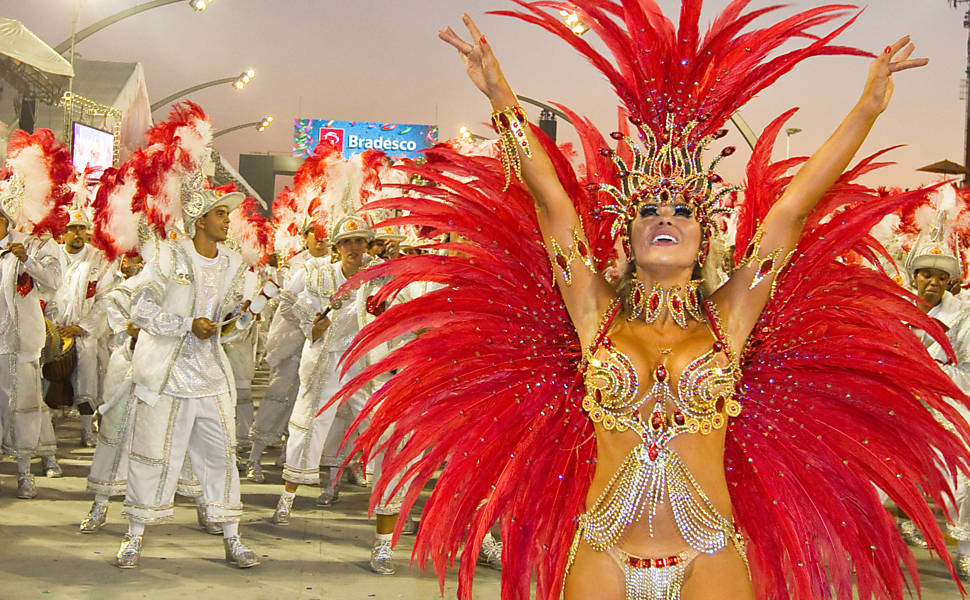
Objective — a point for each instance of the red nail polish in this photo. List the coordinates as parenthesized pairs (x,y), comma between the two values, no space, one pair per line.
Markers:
(484,41)
(888,50)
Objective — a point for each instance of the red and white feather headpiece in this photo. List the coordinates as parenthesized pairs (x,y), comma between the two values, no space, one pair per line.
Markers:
(250,231)
(37,195)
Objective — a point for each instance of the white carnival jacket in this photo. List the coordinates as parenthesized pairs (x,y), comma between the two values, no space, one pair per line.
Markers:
(163,307)
(22,287)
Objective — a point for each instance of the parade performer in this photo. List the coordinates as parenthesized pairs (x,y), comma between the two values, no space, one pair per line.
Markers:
(251,234)
(662,440)
(931,266)
(301,218)
(33,206)
(77,309)
(190,292)
(329,322)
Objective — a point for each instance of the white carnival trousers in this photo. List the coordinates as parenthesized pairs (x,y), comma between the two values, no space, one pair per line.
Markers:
(24,418)
(308,432)
(277,403)
(162,434)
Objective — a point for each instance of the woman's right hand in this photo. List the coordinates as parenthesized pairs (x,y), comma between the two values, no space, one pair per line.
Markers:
(480,63)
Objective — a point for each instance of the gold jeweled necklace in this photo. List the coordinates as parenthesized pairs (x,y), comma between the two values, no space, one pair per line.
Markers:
(680,302)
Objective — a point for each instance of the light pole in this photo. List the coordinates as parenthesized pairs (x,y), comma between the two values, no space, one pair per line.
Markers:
(788,133)
(69,43)
(238,82)
(966,139)
(259,125)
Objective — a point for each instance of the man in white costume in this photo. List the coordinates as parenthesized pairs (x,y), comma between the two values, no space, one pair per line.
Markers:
(77,309)
(931,266)
(329,323)
(28,266)
(284,345)
(183,381)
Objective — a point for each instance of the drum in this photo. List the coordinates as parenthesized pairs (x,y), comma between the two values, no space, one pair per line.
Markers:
(58,359)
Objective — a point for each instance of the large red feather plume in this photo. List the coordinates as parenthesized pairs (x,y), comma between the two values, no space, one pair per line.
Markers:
(252,232)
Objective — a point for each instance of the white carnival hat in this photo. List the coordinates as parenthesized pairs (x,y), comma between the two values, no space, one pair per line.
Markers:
(351,226)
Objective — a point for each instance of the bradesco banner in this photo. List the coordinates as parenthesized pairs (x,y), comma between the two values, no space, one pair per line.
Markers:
(398,140)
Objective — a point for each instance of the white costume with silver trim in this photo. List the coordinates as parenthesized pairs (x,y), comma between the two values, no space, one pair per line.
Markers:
(319,371)
(184,384)
(24,418)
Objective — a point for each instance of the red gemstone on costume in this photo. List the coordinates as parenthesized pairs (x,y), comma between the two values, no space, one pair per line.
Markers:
(503,119)
(561,261)
(765,268)
(718,346)
(583,250)
(657,420)
(679,418)
(616,135)
(598,395)
(92,288)
(677,304)
(637,296)
(652,451)
(661,373)
(654,301)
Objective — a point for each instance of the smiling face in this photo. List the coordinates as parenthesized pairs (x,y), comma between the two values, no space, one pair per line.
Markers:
(665,237)
(215,224)
(930,285)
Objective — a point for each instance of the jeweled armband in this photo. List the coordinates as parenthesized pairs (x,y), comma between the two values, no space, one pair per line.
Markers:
(578,250)
(773,263)
(511,123)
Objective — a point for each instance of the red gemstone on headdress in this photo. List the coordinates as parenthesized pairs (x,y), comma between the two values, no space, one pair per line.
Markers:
(664,195)
(606,152)
(660,373)
(623,174)
(652,451)
(728,151)
(679,418)
(617,135)
(714,178)
(657,421)
(635,120)
(720,133)
(592,187)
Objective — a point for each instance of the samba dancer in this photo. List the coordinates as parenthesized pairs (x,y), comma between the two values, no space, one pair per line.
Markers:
(77,309)
(29,268)
(328,323)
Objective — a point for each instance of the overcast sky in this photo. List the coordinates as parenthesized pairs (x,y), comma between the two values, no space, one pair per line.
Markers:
(380,60)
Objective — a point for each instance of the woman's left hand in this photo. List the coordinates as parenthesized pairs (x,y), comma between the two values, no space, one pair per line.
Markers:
(879,83)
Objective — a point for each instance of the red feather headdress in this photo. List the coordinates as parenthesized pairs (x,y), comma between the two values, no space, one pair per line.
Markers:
(251,231)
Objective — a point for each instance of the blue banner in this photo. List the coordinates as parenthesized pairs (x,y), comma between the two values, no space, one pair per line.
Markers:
(397,140)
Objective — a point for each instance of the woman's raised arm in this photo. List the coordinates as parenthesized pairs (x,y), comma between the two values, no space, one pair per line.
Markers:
(743,298)
(587,292)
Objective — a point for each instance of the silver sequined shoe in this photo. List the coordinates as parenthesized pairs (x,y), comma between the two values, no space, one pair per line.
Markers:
(382,558)
(26,488)
(963,566)
(912,535)
(51,468)
(95,519)
(282,514)
(490,554)
(238,554)
(205,524)
(328,497)
(254,473)
(129,552)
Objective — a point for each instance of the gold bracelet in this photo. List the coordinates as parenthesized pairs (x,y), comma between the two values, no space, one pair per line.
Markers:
(510,123)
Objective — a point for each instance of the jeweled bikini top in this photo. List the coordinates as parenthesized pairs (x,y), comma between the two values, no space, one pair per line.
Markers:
(705,391)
